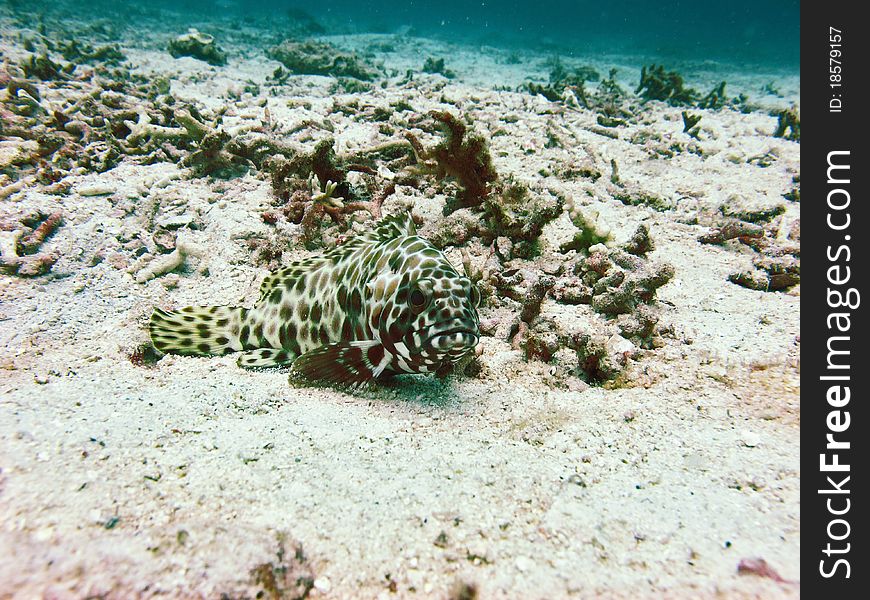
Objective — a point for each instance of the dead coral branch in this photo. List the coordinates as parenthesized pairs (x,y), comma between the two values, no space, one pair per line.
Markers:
(462,156)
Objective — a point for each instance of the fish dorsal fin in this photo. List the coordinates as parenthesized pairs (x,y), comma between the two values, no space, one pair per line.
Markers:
(393,226)
(343,362)
(286,277)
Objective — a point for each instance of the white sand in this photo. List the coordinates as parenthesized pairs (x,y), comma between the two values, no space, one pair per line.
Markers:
(658,489)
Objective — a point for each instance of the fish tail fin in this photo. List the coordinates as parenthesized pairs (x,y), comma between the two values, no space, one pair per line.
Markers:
(197,330)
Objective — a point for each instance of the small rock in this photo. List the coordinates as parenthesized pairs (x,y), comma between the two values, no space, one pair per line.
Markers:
(322,584)
(175,221)
(170,281)
(750,439)
(95,189)
(577,385)
(759,209)
(198,45)
(617,344)
(165,240)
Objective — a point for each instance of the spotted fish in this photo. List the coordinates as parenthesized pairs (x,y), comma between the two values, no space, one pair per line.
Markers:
(382,303)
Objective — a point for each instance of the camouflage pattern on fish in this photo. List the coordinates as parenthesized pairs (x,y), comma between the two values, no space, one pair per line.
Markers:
(382,303)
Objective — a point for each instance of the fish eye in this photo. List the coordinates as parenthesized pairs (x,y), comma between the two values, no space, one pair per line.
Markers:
(417,299)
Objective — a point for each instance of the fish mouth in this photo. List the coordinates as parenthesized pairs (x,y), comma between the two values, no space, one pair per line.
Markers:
(455,336)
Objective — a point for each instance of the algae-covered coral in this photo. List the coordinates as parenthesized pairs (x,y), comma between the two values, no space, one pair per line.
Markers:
(460,155)
(198,45)
(313,57)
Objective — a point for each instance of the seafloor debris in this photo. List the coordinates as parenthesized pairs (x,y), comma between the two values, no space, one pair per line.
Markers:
(88,129)
(715,99)
(788,120)
(618,283)
(759,567)
(634,195)
(512,213)
(590,229)
(312,185)
(563,75)
(320,58)
(776,266)
(198,45)
(168,262)
(760,209)
(20,241)
(562,80)
(530,308)
(601,354)
(464,590)
(460,155)
(690,124)
(549,92)
(732,229)
(288,576)
(608,98)
(40,66)
(667,86)
(615,281)
(437,66)
(82,52)
(770,274)
(519,215)
(601,358)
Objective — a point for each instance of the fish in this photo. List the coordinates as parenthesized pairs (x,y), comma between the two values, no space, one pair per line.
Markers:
(382,303)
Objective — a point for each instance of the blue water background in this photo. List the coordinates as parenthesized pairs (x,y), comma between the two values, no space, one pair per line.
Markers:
(764,32)
(758,32)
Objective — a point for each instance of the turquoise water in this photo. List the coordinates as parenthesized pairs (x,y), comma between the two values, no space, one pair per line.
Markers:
(762,33)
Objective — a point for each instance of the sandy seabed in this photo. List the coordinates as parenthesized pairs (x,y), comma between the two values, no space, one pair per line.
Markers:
(194,478)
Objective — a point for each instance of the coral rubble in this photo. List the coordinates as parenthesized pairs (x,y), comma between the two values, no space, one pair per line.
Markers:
(22,240)
(788,124)
(460,155)
(667,86)
(312,57)
(436,66)
(776,262)
(198,45)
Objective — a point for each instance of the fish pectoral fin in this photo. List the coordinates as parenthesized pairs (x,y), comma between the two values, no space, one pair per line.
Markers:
(344,362)
(265,358)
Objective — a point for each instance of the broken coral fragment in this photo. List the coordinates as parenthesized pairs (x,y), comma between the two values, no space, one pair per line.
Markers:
(789,120)
(770,274)
(666,86)
(197,45)
(590,229)
(460,155)
(320,58)
(19,248)
(169,262)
